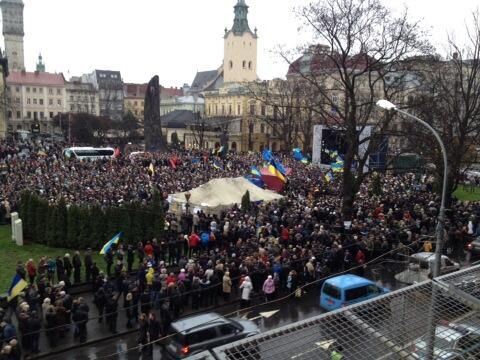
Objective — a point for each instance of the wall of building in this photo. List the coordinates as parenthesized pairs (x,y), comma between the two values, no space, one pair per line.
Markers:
(35,102)
(240,58)
(3,107)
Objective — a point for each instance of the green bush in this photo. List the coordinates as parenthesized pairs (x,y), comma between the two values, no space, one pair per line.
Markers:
(80,227)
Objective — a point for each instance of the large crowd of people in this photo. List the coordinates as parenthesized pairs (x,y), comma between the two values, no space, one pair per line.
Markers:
(204,260)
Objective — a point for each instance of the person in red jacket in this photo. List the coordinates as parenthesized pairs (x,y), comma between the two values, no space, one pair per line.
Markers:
(148,249)
(171,279)
(193,242)
(285,234)
(31,270)
(360,261)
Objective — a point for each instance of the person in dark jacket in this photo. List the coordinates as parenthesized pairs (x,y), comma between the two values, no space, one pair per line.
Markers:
(80,317)
(111,311)
(88,262)
(154,328)
(51,326)
(100,300)
(130,258)
(67,264)
(60,269)
(77,264)
(145,305)
(34,325)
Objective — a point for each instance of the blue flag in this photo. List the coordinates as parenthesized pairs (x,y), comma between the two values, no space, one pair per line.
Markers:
(108,246)
(267,155)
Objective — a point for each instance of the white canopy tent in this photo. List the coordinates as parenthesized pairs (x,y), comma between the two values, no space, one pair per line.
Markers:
(220,194)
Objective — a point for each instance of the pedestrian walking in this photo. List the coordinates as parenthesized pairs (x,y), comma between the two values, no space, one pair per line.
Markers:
(246,287)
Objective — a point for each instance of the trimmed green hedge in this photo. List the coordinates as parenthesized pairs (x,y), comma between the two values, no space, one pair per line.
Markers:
(80,227)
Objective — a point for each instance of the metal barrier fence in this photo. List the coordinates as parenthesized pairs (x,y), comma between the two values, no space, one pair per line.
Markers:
(393,326)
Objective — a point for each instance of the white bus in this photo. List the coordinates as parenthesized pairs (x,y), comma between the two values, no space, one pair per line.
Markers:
(89,153)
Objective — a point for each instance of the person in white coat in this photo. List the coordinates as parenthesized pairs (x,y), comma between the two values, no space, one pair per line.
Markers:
(246,288)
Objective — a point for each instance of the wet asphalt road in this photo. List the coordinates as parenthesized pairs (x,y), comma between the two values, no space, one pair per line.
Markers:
(289,311)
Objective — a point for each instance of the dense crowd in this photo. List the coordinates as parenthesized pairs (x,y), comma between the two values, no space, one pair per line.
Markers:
(203,260)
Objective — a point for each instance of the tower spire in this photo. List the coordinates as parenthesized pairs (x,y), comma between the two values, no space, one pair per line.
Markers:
(240,22)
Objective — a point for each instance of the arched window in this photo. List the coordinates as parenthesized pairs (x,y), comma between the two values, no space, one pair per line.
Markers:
(244,64)
(234,146)
(230,63)
(249,65)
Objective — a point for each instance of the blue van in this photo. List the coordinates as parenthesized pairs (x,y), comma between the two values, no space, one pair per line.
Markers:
(345,290)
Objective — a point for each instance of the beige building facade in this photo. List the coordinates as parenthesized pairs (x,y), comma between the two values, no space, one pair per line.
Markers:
(35,98)
(82,97)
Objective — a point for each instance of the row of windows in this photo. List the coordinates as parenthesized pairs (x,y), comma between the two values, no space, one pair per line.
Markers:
(34,90)
(81,108)
(36,115)
(40,102)
(84,98)
(214,110)
(135,103)
(136,112)
(244,64)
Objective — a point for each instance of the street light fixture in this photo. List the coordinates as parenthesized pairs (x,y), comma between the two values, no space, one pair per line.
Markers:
(387,105)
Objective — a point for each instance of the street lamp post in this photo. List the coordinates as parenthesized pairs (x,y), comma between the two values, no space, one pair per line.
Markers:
(384,104)
(430,353)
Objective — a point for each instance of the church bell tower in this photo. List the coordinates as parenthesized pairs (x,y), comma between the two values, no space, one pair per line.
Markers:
(240,48)
(12,16)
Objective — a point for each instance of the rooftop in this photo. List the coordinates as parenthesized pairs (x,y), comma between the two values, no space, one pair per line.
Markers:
(35,78)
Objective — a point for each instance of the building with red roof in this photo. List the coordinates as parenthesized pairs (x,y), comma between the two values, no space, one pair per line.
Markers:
(36,97)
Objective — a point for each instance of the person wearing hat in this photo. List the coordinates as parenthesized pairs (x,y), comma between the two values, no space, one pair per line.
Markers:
(247,289)
(268,288)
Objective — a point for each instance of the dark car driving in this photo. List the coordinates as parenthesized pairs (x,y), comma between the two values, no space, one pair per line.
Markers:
(198,333)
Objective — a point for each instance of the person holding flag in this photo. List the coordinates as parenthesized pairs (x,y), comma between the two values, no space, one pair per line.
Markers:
(113,241)
(18,284)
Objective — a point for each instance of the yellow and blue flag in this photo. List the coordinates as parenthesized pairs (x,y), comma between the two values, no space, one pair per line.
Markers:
(108,246)
(18,284)
(328,176)
(275,172)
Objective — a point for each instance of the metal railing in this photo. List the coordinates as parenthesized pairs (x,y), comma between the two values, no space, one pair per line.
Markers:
(392,326)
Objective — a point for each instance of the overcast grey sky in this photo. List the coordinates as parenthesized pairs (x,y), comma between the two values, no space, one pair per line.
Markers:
(175,38)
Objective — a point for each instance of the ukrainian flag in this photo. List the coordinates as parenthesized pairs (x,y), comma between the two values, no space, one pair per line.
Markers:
(18,284)
(328,176)
(274,171)
(106,248)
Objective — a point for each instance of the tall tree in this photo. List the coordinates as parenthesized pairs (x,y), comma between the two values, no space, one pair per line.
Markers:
(365,45)
(451,104)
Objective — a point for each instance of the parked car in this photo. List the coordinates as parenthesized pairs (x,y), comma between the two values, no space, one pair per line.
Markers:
(452,341)
(198,333)
(474,246)
(420,267)
(348,289)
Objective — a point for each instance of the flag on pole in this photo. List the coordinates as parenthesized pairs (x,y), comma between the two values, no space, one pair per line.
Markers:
(18,284)
(151,169)
(107,247)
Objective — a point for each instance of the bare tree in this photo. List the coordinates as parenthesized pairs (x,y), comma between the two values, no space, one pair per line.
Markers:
(280,108)
(452,106)
(198,128)
(366,46)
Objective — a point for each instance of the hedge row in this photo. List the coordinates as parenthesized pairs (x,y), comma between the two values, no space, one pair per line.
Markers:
(80,227)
